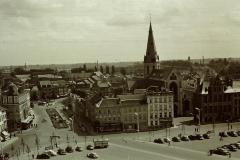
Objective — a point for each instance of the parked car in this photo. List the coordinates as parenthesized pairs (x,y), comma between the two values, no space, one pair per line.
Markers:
(232,134)
(50,152)
(192,137)
(223,134)
(43,156)
(166,140)
(199,137)
(61,152)
(69,149)
(220,151)
(78,149)
(184,138)
(4,156)
(92,155)
(176,139)
(206,136)
(238,133)
(237,145)
(90,147)
(231,148)
(158,140)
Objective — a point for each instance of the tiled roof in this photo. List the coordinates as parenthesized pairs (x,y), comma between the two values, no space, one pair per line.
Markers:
(145,83)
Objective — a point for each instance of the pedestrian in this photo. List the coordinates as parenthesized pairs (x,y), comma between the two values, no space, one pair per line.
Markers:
(231,126)
(32,156)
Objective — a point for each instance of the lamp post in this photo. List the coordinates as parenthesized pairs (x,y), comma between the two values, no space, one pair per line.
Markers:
(137,115)
(199,118)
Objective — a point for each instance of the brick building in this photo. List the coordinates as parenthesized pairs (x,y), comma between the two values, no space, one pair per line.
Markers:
(219,101)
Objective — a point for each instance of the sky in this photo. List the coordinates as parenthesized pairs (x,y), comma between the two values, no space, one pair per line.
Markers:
(80,31)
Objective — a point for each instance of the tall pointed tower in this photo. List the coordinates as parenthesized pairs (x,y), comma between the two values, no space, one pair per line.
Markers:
(151,59)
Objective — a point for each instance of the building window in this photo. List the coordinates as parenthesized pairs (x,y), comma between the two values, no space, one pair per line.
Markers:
(4,100)
(165,114)
(170,114)
(151,123)
(156,123)
(10,100)
(160,115)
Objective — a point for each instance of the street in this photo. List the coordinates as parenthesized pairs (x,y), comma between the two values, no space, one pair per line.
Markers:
(132,146)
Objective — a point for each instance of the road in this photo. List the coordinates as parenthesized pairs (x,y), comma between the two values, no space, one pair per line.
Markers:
(132,146)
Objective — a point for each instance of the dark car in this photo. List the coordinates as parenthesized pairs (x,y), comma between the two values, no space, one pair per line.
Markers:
(238,133)
(166,140)
(231,148)
(199,137)
(176,139)
(237,145)
(61,152)
(192,137)
(78,149)
(223,134)
(220,151)
(69,149)
(90,147)
(92,155)
(206,136)
(232,134)
(158,140)
(184,138)
(4,156)
(43,156)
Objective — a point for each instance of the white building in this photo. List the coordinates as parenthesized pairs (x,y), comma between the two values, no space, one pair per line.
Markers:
(160,107)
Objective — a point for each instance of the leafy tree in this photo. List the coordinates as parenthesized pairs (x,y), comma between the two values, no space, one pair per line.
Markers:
(113,69)
(123,71)
(107,69)
(85,67)
(101,68)
(37,141)
(23,144)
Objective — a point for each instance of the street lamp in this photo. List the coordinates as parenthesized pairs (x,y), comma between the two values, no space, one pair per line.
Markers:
(199,118)
(137,115)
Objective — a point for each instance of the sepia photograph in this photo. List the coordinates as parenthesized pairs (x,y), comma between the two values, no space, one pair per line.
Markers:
(120,79)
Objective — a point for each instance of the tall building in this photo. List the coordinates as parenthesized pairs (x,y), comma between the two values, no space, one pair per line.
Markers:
(220,101)
(17,103)
(151,59)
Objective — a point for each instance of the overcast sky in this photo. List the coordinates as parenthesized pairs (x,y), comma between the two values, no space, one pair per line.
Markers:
(76,31)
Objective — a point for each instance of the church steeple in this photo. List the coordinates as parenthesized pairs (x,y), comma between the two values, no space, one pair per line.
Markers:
(151,59)
(151,52)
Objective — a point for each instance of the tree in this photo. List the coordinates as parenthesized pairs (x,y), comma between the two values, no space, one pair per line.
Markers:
(23,144)
(107,70)
(28,151)
(37,143)
(123,71)
(113,69)
(101,68)
(12,149)
(85,67)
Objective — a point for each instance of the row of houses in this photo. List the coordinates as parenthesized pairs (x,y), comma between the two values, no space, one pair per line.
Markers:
(151,110)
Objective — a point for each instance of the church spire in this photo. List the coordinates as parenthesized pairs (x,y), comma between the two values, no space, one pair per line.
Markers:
(151,53)
(151,59)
